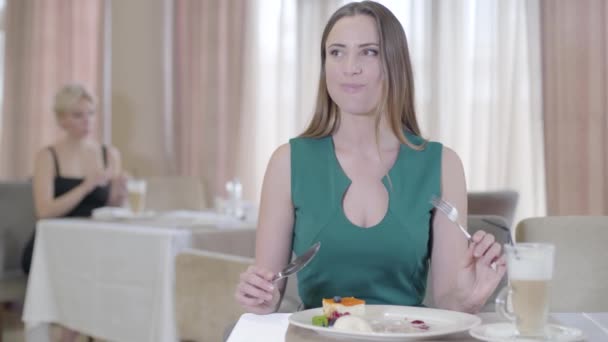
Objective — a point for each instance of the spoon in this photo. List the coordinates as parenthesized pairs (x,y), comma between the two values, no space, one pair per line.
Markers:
(298,263)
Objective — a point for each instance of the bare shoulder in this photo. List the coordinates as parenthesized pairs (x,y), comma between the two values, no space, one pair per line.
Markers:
(277,180)
(44,167)
(113,152)
(453,182)
(450,161)
(281,159)
(114,159)
(43,157)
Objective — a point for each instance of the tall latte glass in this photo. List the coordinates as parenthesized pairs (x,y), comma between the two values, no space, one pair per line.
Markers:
(530,269)
(136,189)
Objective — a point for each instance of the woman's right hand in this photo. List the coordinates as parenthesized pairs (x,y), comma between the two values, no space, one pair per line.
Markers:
(256,292)
(96,179)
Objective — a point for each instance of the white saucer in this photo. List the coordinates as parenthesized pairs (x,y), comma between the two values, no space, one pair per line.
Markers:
(505,332)
(118,214)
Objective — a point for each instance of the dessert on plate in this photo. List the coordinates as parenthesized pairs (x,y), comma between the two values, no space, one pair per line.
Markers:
(336,308)
(352,305)
(352,323)
(348,314)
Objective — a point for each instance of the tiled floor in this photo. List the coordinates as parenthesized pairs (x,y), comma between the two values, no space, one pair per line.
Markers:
(13,329)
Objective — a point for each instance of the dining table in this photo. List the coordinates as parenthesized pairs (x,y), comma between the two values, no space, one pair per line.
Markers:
(112,277)
(276,328)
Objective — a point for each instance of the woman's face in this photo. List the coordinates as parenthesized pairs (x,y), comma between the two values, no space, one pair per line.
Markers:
(353,68)
(80,121)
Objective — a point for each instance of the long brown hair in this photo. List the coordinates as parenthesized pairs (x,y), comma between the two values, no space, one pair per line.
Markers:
(398,86)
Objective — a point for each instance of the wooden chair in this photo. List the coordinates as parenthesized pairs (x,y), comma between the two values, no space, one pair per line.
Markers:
(205,283)
(239,242)
(206,278)
(580,273)
(499,203)
(17,223)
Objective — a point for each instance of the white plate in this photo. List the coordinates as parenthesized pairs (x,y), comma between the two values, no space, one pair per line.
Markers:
(116,213)
(505,332)
(148,214)
(440,322)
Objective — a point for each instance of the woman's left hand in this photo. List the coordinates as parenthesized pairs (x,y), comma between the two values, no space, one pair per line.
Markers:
(482,269)
(118,190)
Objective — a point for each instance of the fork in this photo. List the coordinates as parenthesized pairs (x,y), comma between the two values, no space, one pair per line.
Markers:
(450,211)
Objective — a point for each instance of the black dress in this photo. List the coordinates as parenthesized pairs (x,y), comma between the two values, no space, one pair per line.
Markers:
(95,199)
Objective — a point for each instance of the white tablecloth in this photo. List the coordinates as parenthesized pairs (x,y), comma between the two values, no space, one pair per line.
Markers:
(110,280)
(272,328)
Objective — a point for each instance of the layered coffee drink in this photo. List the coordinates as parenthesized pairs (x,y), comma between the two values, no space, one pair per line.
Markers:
(136,195)
(531,305)
(530,269)
(136,201)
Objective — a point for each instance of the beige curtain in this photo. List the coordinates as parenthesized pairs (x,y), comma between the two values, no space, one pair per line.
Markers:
(48,43)
(575,78)
(208,38)
(479,89)
(281,77)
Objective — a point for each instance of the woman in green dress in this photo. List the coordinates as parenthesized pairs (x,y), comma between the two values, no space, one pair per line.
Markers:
(359,180)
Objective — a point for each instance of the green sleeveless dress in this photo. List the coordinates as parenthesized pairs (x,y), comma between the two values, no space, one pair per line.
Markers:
(383,264)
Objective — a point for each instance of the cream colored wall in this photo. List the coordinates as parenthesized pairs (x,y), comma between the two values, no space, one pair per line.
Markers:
(140,84)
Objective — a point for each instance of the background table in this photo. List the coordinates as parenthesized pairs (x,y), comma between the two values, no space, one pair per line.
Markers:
(112,280)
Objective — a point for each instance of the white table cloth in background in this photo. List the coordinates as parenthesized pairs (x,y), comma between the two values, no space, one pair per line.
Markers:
(273,327)
(110,280)
(191,219)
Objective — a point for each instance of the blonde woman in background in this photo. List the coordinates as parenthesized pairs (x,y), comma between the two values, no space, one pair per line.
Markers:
(76,174)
